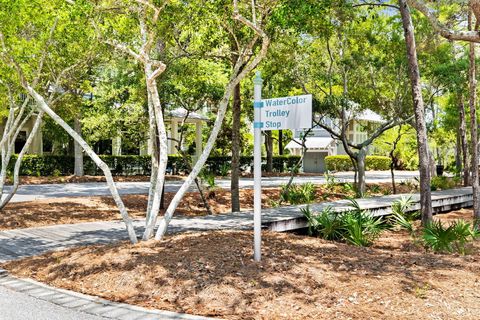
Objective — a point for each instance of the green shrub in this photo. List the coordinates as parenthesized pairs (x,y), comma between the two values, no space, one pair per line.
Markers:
(284,163)
(401,217)
(208,178)
(375,188)
(356,226)
(326,224)
(344,163)
(361,227)
(280,163)
(441,183)
(225,169)
(299,193)
(453,238)
(56,173)
(377,163)
(125,165)
(347,188)
(338,163)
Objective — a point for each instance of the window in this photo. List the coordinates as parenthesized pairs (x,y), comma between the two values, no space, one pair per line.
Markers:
(20,141)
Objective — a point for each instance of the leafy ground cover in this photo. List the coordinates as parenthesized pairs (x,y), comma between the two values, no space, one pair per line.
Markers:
(84,209)
(300,277)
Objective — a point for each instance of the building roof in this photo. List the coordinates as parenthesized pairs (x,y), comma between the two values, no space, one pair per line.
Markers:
(368,115)
(311,143)
(181,113)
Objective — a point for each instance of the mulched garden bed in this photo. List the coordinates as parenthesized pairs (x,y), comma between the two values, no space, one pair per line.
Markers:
(300,277)
(84,209)
(28,180)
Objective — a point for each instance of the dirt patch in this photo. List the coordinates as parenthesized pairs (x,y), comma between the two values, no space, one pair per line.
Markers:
(84,209)
(300,277)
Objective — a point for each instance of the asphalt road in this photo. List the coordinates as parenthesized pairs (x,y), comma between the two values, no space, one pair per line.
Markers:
(34,192)
(19,306)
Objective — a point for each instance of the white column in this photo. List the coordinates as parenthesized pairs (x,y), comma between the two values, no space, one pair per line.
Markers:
(174,135)
(198,139)
(145,147)
(117,146)
(37,144)
(149,146)
(257,167)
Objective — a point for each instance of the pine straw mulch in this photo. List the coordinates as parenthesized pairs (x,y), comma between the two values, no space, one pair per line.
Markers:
(86,209)
(300,277)
(29,180)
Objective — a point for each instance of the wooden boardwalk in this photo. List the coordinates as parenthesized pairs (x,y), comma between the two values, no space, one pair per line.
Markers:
(20,243)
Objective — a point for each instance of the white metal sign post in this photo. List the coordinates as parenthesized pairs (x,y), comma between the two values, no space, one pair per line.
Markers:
(272,114)
(257,166)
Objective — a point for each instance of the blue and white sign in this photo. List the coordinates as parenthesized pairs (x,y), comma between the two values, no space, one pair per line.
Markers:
(287,113)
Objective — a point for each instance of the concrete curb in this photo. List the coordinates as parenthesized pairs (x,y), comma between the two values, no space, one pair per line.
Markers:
(85,303)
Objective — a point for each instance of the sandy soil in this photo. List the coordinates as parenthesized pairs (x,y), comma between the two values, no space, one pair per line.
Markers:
(84,209)
(300,277)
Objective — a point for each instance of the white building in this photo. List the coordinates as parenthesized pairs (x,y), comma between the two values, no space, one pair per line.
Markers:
(173,120)
(320,143)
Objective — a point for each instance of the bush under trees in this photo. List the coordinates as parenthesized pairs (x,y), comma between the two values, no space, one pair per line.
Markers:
(359,227)
(128,165)
(356,226)
(344,163)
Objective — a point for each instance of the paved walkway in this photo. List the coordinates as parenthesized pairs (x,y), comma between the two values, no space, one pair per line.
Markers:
(19,305)
(33,241)
(27,299)
(43,191)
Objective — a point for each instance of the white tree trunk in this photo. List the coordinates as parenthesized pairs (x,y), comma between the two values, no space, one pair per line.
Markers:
(198,166)
(153,147)
(8,148)
(361,186)
(234,80)
(18,162)
(89,151)
(14,124)
(163,157)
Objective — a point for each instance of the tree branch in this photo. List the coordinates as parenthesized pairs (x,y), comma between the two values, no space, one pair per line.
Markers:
(444,31)
(375,4)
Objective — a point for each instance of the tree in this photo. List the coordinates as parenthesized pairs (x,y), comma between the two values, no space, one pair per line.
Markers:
(20,56)
(472,81)
(463,35)
(419,108)
(259,16)
(351,68)
(472,36)
(146,15)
